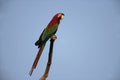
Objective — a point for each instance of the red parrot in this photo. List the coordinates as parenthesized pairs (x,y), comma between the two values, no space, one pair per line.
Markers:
(47,33)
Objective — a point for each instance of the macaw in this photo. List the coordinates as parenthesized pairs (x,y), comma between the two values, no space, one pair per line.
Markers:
(47,33)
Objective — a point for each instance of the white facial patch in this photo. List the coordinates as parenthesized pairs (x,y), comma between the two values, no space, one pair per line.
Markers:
(59,15)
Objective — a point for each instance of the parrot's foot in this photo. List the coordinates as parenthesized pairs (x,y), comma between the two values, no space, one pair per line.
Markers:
(54,37)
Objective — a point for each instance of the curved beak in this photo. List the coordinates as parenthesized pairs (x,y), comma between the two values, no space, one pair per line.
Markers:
(62,16)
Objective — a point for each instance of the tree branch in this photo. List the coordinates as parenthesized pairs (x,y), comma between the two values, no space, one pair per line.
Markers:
(45,75)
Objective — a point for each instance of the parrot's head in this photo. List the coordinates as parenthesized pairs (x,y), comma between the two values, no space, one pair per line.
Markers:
(56,19)
(59,16)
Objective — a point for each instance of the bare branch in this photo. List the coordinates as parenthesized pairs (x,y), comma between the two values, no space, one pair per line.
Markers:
(45,75)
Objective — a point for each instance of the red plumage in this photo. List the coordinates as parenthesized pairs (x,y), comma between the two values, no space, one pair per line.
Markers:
(55,20)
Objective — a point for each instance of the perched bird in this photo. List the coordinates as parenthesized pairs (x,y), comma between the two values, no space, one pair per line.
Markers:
(47,33)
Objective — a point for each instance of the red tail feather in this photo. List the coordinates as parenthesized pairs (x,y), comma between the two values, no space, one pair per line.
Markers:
(36,59)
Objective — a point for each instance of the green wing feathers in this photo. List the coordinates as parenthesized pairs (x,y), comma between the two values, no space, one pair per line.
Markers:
(46,34)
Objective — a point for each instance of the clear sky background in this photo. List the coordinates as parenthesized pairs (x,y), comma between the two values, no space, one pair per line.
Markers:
(87,47)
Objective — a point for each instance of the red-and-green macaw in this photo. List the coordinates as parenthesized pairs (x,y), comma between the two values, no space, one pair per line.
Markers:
(47,33)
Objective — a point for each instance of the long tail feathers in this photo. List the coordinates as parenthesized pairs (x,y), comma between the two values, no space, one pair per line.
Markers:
(36,59)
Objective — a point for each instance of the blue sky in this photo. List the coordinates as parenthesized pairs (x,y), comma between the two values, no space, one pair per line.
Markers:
(87,47)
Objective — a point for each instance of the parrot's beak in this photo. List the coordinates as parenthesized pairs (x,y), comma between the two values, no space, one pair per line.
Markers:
(62,16)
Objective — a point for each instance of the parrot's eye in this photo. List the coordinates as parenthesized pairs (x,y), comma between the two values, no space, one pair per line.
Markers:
(59,15)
